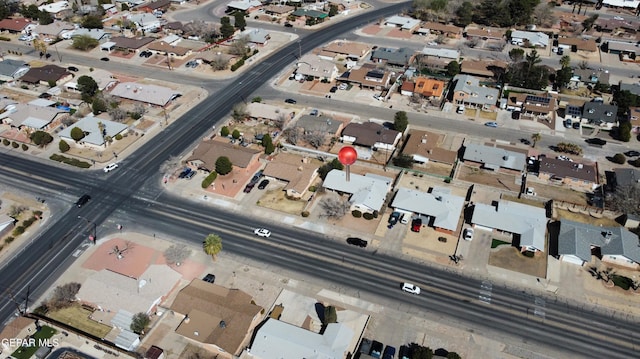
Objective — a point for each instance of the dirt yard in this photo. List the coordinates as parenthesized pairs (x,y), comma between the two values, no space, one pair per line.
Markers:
(499,180)
(584,218)
(510,258)
(276,199)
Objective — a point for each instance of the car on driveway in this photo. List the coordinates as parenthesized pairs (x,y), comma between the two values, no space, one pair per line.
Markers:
(334,89)
(632,153)
(410,288)
(343,86)
(394,218)
(491,124)
(248,187)
(376,349)
(416,224)
(389,352)
(291,101)
(262,232)
(263,184)
(468,234)
(365,346)
(110,167)
(184,172)
(210,278)
(354,241)
(190,175)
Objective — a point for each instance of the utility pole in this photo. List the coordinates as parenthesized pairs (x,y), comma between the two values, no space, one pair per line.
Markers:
(94,237)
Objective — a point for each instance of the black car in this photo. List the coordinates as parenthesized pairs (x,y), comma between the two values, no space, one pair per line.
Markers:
(104,59)
(83,200)
(288,24)
(263,184)
(249,187)
(632,153)
(596,141)
(190,174)
(210,278)
(394,218)
(357,242)
(334,89)
(291,101)
(73,68)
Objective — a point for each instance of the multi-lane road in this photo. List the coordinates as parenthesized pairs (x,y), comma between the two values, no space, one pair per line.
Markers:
(132,195)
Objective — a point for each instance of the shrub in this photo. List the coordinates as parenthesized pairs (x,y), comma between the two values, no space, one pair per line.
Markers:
(37,213)
(25,147)
(224,165)
(18,230)
(619,158)
(4,38)
(257,99)
(305,214)
(9,239)
(63,146)
(6,142)
(237,65)
(28,222)
(235,134)
(207,181)
(118,137)
(224,131)
(15,144)
(447,180)
(356,213)
(375,214)
(70,161)
(312,189)
(635,163)
(367,216)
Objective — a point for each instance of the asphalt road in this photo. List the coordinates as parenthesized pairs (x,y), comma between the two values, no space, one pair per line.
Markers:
(132,195)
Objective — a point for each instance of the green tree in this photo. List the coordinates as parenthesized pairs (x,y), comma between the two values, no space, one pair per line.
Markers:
(239,21)
(77,134)
(421,352)
(224,131)
(41,138)
(326,168)
(98,106)
(404,161)
(212,245)
(330,315)
(587,24)
(563,77)
(267,143)
(624,131)
(45,18)
(84,42)
(464,14)
(453,68)
(516,55)
(139,322)
(625,99)
(333,10)
(223,165)
(92,22)
(619,158)
(565,61)
(30,12)
(226,29)
(535,138)
(453,355)
(88,88)
(63,146)
(400,121)
(124,7)
(235,134)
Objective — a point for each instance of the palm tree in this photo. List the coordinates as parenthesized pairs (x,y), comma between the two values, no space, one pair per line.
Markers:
(535,138)
(565,61)
(212,245)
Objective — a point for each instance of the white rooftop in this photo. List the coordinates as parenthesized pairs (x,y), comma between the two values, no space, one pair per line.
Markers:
(440,204)
(369,190)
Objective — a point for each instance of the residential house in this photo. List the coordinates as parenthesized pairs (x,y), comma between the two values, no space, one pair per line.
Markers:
(345,5)
(209,55)
(484,33)
(438,57)
(130,3)
(367,76)
(440,207)
(345,50)
(278,10)
(148,94)
(424,146)
(407,88)
(204,157)
(16,25)
(166,49)
(494,158)
(626,4)
(526,224)
(145,22)
(280,340)
(623,48)
(32,117)
(483,68)
(436,28)
(46,75)
(298,172)
(577,242)
(580,176)
(467,91)
(403,23)
(429,88)
(244,5)
(634,88)
(311,65)
(393,57)
(588,77)
(154,6)
(600,114)
(310,16)
(6,224)
(173,27)
(569,21)
(263,111)
(579,45)
(371,135)
(18,327)
(529,38)
(96,132)
(130,43)
(320,124)
(625,177)
(96,34)
(634,118)
(366,193)
(58,9)
(110,9)
(103,78)
(219,317)
(535,107)
(53,30)
(11,70)
(259,37)
(112,291)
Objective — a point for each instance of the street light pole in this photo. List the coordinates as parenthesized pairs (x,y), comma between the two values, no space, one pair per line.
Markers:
(94,236)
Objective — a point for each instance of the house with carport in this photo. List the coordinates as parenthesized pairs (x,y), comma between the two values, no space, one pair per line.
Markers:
(436,28)
(404,23)
(259,37)
(126,43)
(222,319)
(578,45)
(57,9)
(172,50)
(578,242)
(527,225)
(494,158)
(349,50)
(485,33)
(97,132)
(298,173)
(145,22)
(530,38)
(438,205)
(204,157)
(437,57)
(52,30)
(600,114)
(145,93)
(367,193)
(32,117)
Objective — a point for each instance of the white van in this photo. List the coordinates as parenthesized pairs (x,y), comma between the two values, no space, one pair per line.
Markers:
(406,217)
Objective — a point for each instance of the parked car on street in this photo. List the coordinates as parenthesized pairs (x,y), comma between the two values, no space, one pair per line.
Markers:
(632,153)
(104,59)
(291,101)
(491,124)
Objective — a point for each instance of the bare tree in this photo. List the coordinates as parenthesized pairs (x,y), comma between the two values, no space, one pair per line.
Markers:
(240,111)
(202,29)
(68,121)
(281,120)
(139,109)
(239,46)
(472,43)
(117,114)
(63,295)
(626,199)
(292,135)
(176,254)
(334,207)
(219,62)
(16,210)
(119,252)
(315,138)
(543,14)
(170,165)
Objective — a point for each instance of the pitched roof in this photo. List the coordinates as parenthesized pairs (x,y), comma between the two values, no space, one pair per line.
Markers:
(30,115)
(208,152)
(131,42)
(401,56)
(292,169)
(310,13)
(577,239)
(567,169)
(369,190)
(444,28)
(276,339)
(13,328)
(54,28)
(92,33)
(405,22)
(8,67)
(161,46)
(634,88)
(263,110)
(599,112)
(527,221)
(369,133)
(481,67)
(440,204)
(581,44)
(369,75)
(174,25)
(348,48)
(494,157)
(45,73)
(243,4)
(312,65)
(441,52)
(90,126)
(477,94)
(215,314)
(155,4)
(429,87)
(152,94)
(627,176)
(425,145)
(323,124)
(278,9)
(534,38)
(16,25)
(257,36)
(591,76)
(486,32)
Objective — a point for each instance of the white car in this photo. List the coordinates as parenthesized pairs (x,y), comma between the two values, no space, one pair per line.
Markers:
(619,18)
(410,288)
(530,191)
(468,234)
(110,167)
(262,232)
(343,86)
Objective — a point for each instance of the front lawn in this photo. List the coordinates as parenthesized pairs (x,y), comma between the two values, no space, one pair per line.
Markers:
(78,317)
(497,242)
(27,351)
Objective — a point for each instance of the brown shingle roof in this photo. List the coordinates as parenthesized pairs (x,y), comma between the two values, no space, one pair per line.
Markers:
(368,133)
(481,67)
(486,32)
(155,4)
(14,25)
(131,42)
(208,152)
(447,29)
(13,329)
(207,305)
(567,169)
(293,169)
(45,73)
(278,9)
(162,46)
(427,144)
(581,44)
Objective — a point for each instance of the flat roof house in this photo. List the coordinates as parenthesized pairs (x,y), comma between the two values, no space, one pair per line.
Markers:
(368,76)
(535,39)
(483,68)
(494,158)
(440,207)
(263,111)
(367,193)
(371,135)
(297,171)
(527,224)
(581,176)
(467,91)
(321,124)
(346,49)
(437,28)
(38,118)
